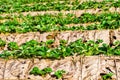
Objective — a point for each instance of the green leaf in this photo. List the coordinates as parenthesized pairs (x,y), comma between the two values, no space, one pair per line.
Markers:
(37,71)
(6,54)
(13,46)
(59,73)
(49,42)
(2,43)
(107,76)
(47,70)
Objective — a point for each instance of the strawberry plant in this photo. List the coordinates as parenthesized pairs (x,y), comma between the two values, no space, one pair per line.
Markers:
(12,46)
(59,73)
(87,15)
(37,71)
(2,43)
(107,76)
(6,54)
(21,6)
(35,49)
(47,22)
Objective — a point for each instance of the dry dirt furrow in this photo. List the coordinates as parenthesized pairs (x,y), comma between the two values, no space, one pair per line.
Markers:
(117,63)
(16,69)
(114,35)
(82,25)
(107,65)
(76,67)
(2,68)
(90,68)
(76,12)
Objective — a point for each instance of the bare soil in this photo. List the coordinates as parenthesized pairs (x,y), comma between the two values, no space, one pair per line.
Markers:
(76,67)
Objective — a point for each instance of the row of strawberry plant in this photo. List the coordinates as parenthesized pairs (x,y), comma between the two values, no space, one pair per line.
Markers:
(59,19)
(22,2)
(26,2)
(59,73)
(36,71)
(45,23)
(46,50)
(59,6)
(49,28)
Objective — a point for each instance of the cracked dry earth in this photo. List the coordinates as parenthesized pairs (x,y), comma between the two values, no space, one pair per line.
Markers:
(76,67)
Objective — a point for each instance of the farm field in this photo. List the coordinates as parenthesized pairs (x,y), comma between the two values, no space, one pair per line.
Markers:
(59,39)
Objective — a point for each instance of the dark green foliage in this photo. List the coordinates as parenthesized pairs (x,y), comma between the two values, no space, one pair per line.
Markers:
(49,22)
(47,70)
(21,5)
(49,42)
(35,49)
(59,73)
(107,76)
(12,46)
(37,71)
(6,54)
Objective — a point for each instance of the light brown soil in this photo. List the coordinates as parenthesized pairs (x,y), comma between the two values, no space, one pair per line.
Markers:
(76,67)
(84,24)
